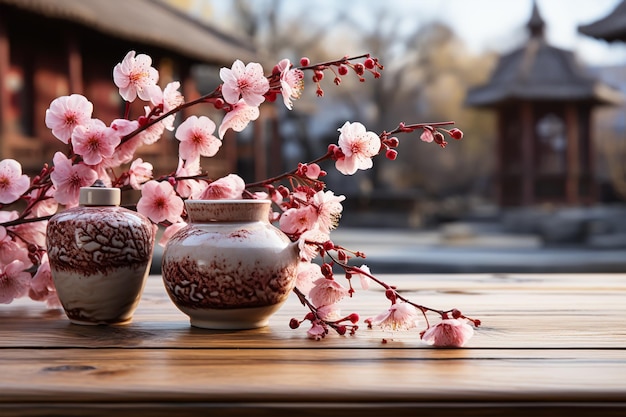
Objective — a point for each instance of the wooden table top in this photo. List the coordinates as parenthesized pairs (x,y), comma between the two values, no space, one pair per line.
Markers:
(549,344)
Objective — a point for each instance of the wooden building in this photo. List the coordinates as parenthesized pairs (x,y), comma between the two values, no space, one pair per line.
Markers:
(50,48)
(544,102)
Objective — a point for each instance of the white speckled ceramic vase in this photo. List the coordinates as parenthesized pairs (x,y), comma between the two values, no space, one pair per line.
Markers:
(229,268)
(100,257)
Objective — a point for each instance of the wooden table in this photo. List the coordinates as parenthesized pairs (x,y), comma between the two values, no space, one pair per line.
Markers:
(549,345)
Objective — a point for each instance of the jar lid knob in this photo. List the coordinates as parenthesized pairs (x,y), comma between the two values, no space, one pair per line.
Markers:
(99,195)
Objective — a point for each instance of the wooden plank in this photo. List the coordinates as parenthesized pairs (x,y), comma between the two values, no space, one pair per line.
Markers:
(298,375)
(265,409)
(550,345)
(546,311)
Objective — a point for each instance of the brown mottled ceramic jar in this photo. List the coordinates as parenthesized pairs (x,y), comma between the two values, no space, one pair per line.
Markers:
(100,257)
(229,268)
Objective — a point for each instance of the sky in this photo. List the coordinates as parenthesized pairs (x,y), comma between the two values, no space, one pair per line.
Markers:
(487,25)
(484,23)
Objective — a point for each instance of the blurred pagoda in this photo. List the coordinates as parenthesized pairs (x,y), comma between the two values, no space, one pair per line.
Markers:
(544,101)
(611,28)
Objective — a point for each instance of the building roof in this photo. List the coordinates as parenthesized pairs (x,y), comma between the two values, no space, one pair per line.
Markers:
(148,22)
(610,28)
(538,71)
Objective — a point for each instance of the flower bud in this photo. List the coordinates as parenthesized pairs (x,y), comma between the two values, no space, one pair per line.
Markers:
(359,69)
(294,323)
(439,139)
(390,294)
(327,270)
(456,313)
(284,191)
(391,154)
(354,317)
(305,62)
(456,133)
(341,330)
(393,142)
(342,69)
(369,63)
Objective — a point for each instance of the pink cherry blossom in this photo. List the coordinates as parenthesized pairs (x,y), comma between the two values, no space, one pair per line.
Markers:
(94,141)
(247,82)
(327,291)
(231,186)
(172,98)
(358,147)
(159,202)
(14,281)
(400,316)
(67,112)
(45,205)
(308,251)
(153,133)
(14,250)
(427,136)
(170,231)
(238,118)
(32,232)
(296,221)
(102,172)
(10,249)
(196,138)
(328,207)
(12,182)
(308,273)
(316,332)
(312,171)
(189,188)
(139,173)
(68,179)
(42,286)
(449,333)
(291,82)
(124,127)
(125,152)
(135,76)
(363,279)
(330,312)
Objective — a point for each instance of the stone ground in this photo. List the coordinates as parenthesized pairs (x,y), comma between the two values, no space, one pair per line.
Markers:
(470,248)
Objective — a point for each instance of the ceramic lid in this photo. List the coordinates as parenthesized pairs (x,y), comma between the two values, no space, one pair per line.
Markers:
(99,195)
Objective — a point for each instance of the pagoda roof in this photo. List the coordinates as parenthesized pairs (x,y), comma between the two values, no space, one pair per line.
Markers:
(148,22)
(610,28)
(540,72)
